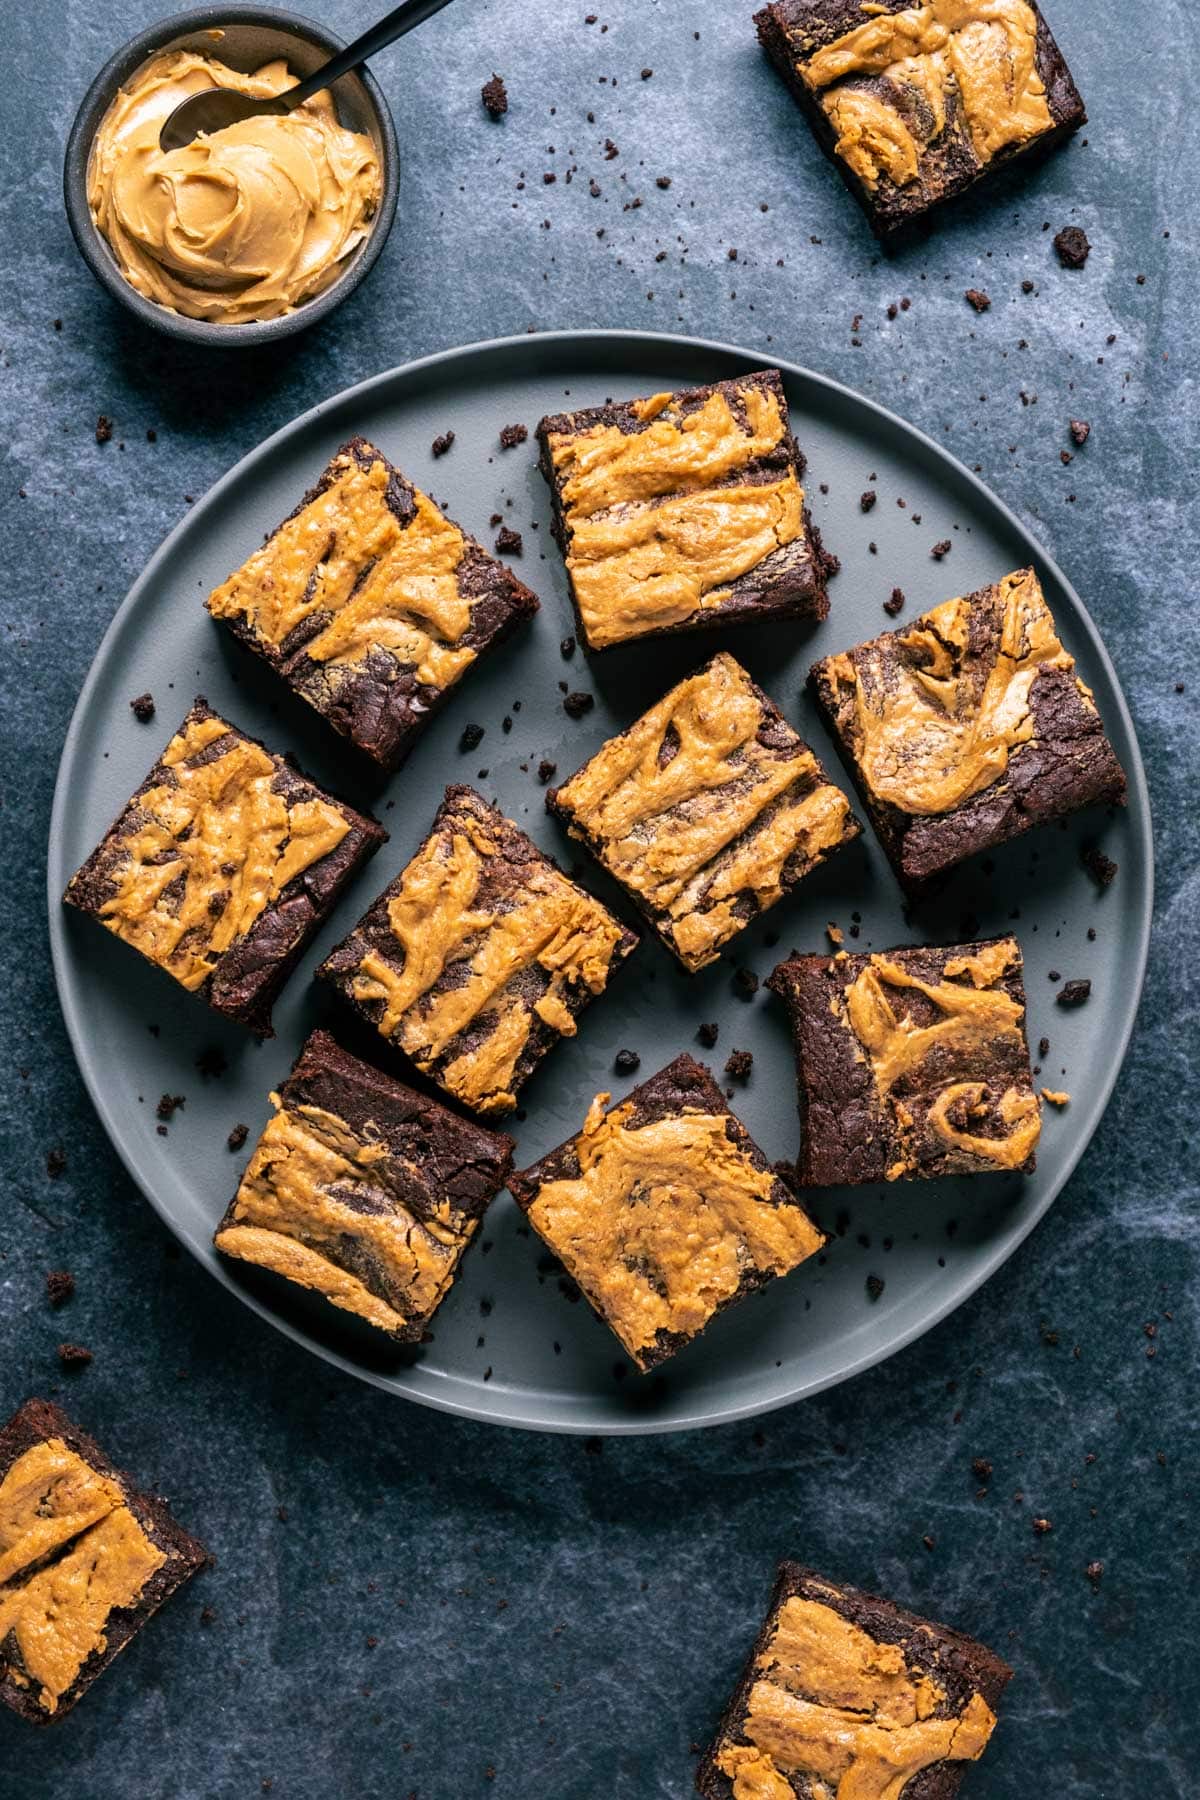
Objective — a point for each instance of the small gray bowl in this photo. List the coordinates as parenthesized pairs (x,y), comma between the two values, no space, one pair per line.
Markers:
(252,36)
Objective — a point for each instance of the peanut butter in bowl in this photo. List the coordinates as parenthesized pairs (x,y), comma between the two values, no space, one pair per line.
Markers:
(243,225)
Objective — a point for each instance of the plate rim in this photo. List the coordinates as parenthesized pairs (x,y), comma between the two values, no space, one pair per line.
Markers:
(500,1413)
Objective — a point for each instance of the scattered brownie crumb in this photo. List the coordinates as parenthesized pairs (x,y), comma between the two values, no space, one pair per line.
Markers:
(512,435)
(494,95)
(238,1136)
(440,445)
(738,1064)
(646,74)
(74,1356)
(979,300)
(169,1105)
(1073,993)
(566,648)
(929,1540)
(875,1285)
(1043,1048)
(894,605)
(1072,246)
(211,1062)
(708,1034)
(662,181)
(546,771)
(1027,286)
(610,150)
(626,1061)
(208,1616)
(60,1285)
(941,549)
(56,1162)
(142,708)
(1101,868)
(1094,1572)
(104,428)
(1080,431)
(472,737)
(981,1468)
(1042,1526)
(575,705)
(1065,457)
(746,983)
(508,541)
(867,499)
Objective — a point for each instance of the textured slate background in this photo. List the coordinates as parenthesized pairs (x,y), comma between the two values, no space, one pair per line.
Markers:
(409,1605)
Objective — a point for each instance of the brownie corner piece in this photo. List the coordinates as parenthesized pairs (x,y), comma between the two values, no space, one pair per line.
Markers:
(223,865)
(665,1211)
(845,1689)
(966,728)
(683,510)
(363,1191)
(911,1063)
(914,104)
(371,603)
(480,955)
(86,1559)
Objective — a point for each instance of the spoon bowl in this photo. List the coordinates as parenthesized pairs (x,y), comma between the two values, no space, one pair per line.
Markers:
(213,110)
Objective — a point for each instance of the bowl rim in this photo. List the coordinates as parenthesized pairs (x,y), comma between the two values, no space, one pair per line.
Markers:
(93,247)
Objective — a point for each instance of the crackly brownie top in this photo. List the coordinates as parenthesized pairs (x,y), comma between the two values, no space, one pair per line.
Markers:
(704,807)
(890,85)
(71,1553)
(376,560)
(849,1714)
(476,939)
(201,853)
(374,1209)
(661,1213)
(669,499)
(936,712)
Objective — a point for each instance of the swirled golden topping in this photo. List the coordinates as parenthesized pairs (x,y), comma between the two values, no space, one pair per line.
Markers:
(246,224)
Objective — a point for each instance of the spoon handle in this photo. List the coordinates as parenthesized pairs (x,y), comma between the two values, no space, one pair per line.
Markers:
(401,19)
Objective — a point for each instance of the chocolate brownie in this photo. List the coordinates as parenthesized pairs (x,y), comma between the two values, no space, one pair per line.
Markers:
(911,1063)
(966,728)
(363,1191)
(683,510)
(916,102)
(479,956)
(85,1560)
(707,810)
(846,1693)
(370,603)
(223,866)
(665,1211)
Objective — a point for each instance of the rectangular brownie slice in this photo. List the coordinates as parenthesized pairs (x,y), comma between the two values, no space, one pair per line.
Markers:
(85,1560)
(665,1211)
(684,510)
(911,1063)
(363,1191)
(223,866)
(966,728)
(707,810)
(848,1694)
(370,603)
(914,103)
(479,956)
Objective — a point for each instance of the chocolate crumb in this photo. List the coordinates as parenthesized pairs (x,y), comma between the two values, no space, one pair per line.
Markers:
(440,445)
(738,1064)
(1080,431)
(875,1285)
(708,1034)
(1027,286)
(238,1136)
(646,74)
(169,1105)
(566,648)
(512,435)
(104,428)
(56,1162)
(979,300)
(494,95)
(1042,1526)
(472,737)
(662,181)
(981,1468)
(575,705)
(896,602)
(142,708)
(74,1356)
(1094,1572)
(746,983)
(1072,246)
(508,541)
(1073,993)
(941,549)
(1043,1048)
(867,500)
(546,771)
(1101,868)
(626,1061)
(60,1285)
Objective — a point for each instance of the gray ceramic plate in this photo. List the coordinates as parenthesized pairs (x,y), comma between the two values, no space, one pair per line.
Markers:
(509,1344)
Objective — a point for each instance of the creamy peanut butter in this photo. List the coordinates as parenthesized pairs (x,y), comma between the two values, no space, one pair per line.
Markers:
(203,853)
(71,1553)
(653,535)
(664,1220)
(713,823)
(847,1713)
(978,57)
(246,224)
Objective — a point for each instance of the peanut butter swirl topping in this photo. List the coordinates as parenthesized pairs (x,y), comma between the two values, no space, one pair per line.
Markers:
(205,851)
(654,534)
(241,225)
(71,1552)
(978,57)
(845,1712)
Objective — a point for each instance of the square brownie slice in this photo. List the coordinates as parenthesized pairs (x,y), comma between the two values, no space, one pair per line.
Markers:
(684,510)
(707,810)
(370,603)
(363,1191)
(85,1560)
(479,956)
(223,866)
(911,1063)
(915,103)
(665,1211)
(966,728)
(846,1693)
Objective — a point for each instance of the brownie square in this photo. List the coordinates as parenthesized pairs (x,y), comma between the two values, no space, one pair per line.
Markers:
(708,810)
(85,1560)
(363,1191)
(684,510)
(915,103)
(223,866)
(846,1693)
(665,1211)
(479,956)
(911,1063)
(370,603)
(966,728)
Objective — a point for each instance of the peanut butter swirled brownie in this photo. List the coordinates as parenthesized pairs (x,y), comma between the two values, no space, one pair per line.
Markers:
(479,956)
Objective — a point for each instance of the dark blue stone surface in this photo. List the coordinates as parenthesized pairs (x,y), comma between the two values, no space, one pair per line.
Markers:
(404,1604)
